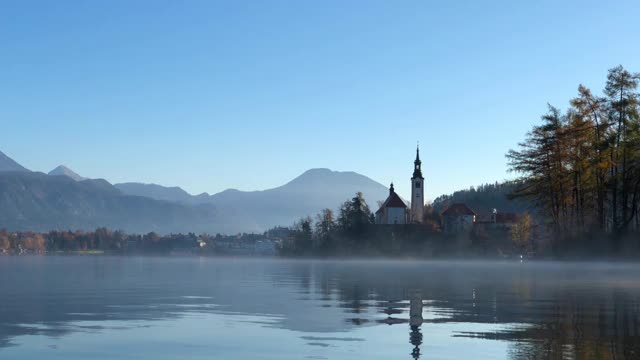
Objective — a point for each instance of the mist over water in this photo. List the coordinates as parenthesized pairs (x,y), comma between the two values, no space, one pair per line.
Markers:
(213,308)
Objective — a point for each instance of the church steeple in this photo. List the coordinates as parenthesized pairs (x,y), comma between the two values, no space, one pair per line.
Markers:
(417,190)
(417,165)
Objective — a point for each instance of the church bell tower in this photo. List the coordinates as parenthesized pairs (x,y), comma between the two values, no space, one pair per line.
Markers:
(417,190)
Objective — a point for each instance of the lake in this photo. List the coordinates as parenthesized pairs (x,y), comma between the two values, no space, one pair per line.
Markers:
(74,307)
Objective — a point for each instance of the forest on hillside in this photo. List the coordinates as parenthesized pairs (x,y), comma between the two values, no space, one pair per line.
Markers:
(484,198)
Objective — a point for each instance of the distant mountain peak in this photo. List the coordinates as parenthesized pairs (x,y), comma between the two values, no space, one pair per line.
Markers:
(305,195)
(327,177)
(8,164)
(318,171)
(323,172)
(62,170)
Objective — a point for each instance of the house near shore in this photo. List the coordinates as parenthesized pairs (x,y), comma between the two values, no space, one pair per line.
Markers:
(458,218)
(499,220)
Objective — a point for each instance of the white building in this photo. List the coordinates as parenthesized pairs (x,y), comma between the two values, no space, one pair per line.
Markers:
(393,210)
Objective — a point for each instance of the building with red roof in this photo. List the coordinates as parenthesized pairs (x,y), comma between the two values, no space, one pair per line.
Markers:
(393,210)
(458,218)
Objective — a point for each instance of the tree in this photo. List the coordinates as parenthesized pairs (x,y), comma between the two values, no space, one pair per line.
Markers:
(541,162)
(521,233)
(431,218)
(355,216)
(5,243)
(31,241)
(325,225)
(580,144)
(623,114)
(591,110)
(303,235)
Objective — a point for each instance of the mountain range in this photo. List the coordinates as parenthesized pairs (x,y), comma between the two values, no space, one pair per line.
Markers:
(65,200)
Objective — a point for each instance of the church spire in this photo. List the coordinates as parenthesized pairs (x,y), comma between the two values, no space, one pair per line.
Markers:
(417,168)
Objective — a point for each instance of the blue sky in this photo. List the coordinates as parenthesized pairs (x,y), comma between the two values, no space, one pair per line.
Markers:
(248,94)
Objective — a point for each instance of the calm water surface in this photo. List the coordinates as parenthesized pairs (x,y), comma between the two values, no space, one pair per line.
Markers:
(210,308)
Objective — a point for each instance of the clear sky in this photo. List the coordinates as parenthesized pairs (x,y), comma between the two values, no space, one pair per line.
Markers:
(248,94)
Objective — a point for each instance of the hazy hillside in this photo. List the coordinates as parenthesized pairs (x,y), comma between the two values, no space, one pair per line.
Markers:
(307,194)
(66,200)
(65,171)
(35,201)
(8,164)
(158,192)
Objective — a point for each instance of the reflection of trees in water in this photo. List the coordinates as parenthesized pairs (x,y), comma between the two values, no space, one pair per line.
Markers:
(593,327)
(354,299)
(563,314)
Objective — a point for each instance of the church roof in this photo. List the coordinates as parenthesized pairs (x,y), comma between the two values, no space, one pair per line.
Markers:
(393,201)
(458,209)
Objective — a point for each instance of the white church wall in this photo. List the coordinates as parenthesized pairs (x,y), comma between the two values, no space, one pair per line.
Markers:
(396,216)
(417,200)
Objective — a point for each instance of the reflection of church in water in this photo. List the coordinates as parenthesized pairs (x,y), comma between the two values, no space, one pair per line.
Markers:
(415,319)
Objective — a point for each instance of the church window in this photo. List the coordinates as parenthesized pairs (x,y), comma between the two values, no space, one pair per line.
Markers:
(418,185)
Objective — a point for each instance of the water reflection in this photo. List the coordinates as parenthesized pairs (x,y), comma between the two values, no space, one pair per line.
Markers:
(415,321)
(542,310)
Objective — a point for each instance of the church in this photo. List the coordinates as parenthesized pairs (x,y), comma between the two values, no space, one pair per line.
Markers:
(394,210)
